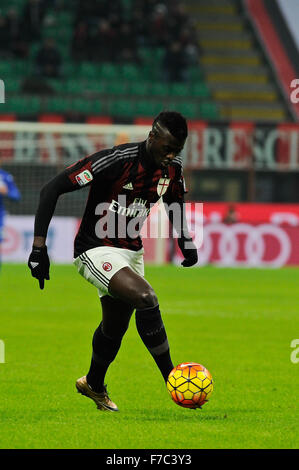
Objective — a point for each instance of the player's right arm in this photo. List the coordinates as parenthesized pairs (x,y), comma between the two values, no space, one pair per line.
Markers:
(72,178)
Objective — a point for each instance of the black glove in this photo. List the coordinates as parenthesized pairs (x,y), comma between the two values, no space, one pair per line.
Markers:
(190,253)
(39,264)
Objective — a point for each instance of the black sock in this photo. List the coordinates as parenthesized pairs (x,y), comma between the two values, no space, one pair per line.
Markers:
(104,351)
(152,332)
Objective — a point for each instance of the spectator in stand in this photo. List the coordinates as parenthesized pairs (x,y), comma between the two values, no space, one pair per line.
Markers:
(188,41)
(80,41)
(103,43)
(140,27)
(3,35)
(175,63)
(48,60)
(127,44)
(17,42)
(32,19)
(158,29)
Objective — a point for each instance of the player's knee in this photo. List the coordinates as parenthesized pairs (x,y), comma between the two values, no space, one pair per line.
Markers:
(146,299)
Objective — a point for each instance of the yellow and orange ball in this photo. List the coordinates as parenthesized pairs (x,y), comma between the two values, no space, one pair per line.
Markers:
(190,385)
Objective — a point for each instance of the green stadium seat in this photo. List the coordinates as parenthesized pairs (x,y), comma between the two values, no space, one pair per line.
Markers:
(69,69)
(58,105)
(23,104)
(195,73)
(179,89)
(82,105)
(59,85)
(148,108)
(200,90)
(6,69)
(189,109)
(208,110)
(122,108)
(130,72)
(110,71)
(150,55)
(96,107)
(87,70)
(95,86)
(12,84)
(159,89)
(139,88)
(116,87)
(20,67)
(74,87)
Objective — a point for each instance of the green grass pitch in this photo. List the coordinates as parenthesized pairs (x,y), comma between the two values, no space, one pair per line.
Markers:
(239,323)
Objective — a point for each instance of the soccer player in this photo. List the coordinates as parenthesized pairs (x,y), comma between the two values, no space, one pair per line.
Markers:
(124,180)
(8,189)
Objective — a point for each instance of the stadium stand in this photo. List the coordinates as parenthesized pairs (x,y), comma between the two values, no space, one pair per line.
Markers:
(237,73)
(127,58)
(77,75)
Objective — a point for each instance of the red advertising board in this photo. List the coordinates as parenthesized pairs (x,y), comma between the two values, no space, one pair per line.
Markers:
(255,235)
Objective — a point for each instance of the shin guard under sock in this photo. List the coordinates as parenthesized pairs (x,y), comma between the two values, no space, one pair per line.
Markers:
(104,351)
(152,332)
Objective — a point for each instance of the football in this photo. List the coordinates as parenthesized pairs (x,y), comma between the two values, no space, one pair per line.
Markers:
(190,385)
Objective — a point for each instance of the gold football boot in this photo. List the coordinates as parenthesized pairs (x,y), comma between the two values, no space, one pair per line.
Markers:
(102,399)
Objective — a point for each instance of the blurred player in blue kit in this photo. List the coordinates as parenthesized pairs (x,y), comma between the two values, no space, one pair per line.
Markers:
(8,189)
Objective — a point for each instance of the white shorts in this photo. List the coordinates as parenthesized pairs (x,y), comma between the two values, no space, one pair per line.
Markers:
(99,265)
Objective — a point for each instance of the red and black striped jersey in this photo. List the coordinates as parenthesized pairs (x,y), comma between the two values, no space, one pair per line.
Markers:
(124,184)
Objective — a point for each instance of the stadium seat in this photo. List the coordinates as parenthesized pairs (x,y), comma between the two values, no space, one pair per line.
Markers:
(95,86)
(139,88)
(11,117)
(116,87)
(98,120)
(6,69)
(58,105)
(179,89)
(96,106)
(121,108)
(51,118)
(130,72)
(159,89)
(110,71)
(148,108)
(208,110)
(189,109)
(200,90)
(23,105)
(82,105)
(12,84)
(87,70)
(74,86)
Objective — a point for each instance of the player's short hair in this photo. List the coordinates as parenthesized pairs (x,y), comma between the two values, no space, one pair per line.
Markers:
(174,122)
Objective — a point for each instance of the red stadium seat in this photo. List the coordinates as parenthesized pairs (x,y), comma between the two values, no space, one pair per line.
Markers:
(51,118)
(8,117)
(143,121)
(99,120)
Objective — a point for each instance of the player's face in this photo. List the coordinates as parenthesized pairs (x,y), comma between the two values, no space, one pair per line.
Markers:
(163,147)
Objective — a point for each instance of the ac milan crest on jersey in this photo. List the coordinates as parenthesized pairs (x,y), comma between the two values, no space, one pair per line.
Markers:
(162,186)
(107,266)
